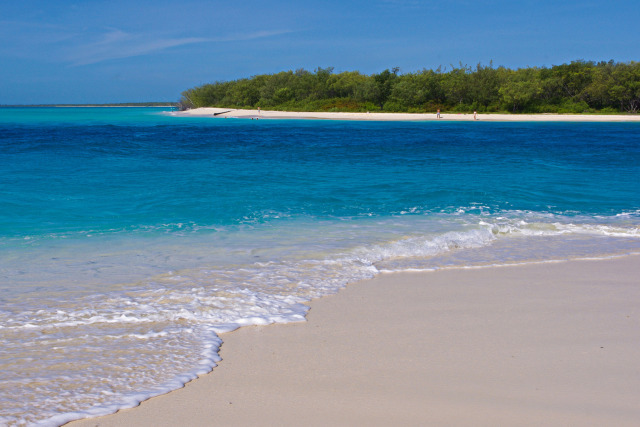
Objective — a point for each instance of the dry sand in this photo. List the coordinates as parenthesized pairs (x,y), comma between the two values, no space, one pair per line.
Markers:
(554,344)
(253,114)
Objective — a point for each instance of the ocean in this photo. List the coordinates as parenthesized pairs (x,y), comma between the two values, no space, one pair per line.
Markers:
(130,238)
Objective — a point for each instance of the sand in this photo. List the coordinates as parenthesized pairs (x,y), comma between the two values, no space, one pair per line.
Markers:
(553,344)
(255,114)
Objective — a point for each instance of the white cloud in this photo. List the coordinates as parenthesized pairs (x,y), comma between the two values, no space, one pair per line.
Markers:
(117,44)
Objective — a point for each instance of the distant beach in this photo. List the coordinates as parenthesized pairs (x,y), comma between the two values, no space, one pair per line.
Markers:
(262,114)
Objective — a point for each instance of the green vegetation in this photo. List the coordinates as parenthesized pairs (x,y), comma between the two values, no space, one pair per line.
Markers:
(578,87)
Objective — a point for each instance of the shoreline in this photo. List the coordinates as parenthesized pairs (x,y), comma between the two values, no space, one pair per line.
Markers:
(266,114)
(531,344)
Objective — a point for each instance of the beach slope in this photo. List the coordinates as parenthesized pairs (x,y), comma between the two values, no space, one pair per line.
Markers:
(551,344)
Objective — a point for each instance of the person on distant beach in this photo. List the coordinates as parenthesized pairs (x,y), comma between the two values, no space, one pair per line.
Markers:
(438,113)
(475,115)
(258,110)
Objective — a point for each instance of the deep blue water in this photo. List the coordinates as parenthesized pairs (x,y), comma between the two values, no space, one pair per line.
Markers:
(129,237)
(61,176)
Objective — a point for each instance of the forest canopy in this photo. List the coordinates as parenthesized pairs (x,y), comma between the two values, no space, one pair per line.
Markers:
(578,87)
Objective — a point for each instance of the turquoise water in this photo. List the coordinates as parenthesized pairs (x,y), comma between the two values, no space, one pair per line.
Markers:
(131,237)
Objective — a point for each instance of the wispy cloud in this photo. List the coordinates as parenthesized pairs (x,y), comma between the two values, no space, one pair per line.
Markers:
(24,39)
(117,44)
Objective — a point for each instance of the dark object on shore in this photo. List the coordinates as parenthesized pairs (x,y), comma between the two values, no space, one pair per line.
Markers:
(221,112)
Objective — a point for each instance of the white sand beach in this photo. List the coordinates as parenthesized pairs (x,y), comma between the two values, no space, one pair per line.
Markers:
(262,114)
(551,344)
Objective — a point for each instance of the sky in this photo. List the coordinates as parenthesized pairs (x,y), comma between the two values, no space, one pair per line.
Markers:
(106,51)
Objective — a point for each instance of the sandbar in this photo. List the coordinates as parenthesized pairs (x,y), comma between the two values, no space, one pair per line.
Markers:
(266,114)
(551,344)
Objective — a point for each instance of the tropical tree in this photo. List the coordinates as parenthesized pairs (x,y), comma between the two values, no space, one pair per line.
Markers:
(521,88)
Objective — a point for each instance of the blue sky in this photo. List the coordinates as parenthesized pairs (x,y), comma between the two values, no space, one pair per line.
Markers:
(132,51)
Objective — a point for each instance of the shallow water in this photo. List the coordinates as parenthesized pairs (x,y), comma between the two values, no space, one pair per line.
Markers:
(129,237)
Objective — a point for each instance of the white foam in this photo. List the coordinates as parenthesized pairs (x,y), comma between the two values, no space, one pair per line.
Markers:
(170,313)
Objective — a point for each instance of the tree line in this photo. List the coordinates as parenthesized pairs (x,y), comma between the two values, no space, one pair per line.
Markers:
(578,87)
